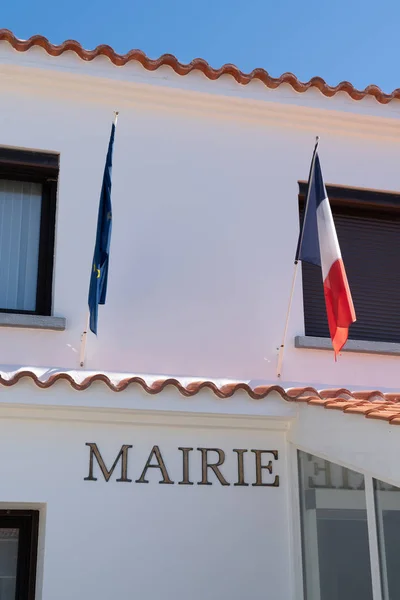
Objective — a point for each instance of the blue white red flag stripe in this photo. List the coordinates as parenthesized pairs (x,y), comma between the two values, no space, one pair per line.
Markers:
(318,245)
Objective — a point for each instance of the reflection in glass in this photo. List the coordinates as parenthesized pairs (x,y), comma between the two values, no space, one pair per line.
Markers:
(8,562)
(387,504)
(334,531)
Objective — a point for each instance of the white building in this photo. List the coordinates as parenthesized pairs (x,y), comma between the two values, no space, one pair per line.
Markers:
(208,168)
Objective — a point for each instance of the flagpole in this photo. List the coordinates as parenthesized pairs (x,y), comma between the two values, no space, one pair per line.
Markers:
(296,264)
(282,346)
(82,355)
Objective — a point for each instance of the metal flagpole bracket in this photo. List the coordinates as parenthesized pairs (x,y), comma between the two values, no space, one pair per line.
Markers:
(83,342)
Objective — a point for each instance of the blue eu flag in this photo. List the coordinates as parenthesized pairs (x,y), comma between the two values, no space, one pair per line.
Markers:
(99,274)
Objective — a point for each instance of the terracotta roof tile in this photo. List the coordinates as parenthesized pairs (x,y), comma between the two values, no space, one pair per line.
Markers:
(373,404)
(369,395)
(383,415)
(336,393)
(319,401)
(364,408)
(198,64)
(392,397)
(339,404)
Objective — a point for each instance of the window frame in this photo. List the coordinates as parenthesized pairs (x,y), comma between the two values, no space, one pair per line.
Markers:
(297,539)
(37,167)
(27,521)
(352,202)
(349,200)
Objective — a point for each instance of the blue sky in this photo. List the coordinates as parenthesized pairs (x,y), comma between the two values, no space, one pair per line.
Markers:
(355,40)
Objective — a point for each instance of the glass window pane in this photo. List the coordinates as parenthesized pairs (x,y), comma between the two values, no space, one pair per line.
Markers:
(8,562)
(334,531)
(20,210)
(387,504)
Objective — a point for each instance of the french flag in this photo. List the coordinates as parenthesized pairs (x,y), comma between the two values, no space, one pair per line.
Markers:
(318,245)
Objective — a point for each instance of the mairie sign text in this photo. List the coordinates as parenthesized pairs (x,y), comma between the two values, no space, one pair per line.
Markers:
(211,466)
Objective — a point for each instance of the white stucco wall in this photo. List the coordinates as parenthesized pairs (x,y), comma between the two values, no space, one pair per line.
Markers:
(116,539)
(101,538)
(204,233)
(205,214)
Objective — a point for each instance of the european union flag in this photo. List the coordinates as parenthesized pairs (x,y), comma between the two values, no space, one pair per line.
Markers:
(99,274)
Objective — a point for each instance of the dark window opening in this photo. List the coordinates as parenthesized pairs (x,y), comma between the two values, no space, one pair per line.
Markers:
(368,227)
(18,554)
(28,189)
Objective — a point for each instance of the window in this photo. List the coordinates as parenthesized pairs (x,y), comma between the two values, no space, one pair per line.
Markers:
(18,552)
(387,504)
(336,553)
(368,228)
(28,186)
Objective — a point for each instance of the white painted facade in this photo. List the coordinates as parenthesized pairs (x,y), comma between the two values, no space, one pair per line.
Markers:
(122,538)
(205,213)
(205,225)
